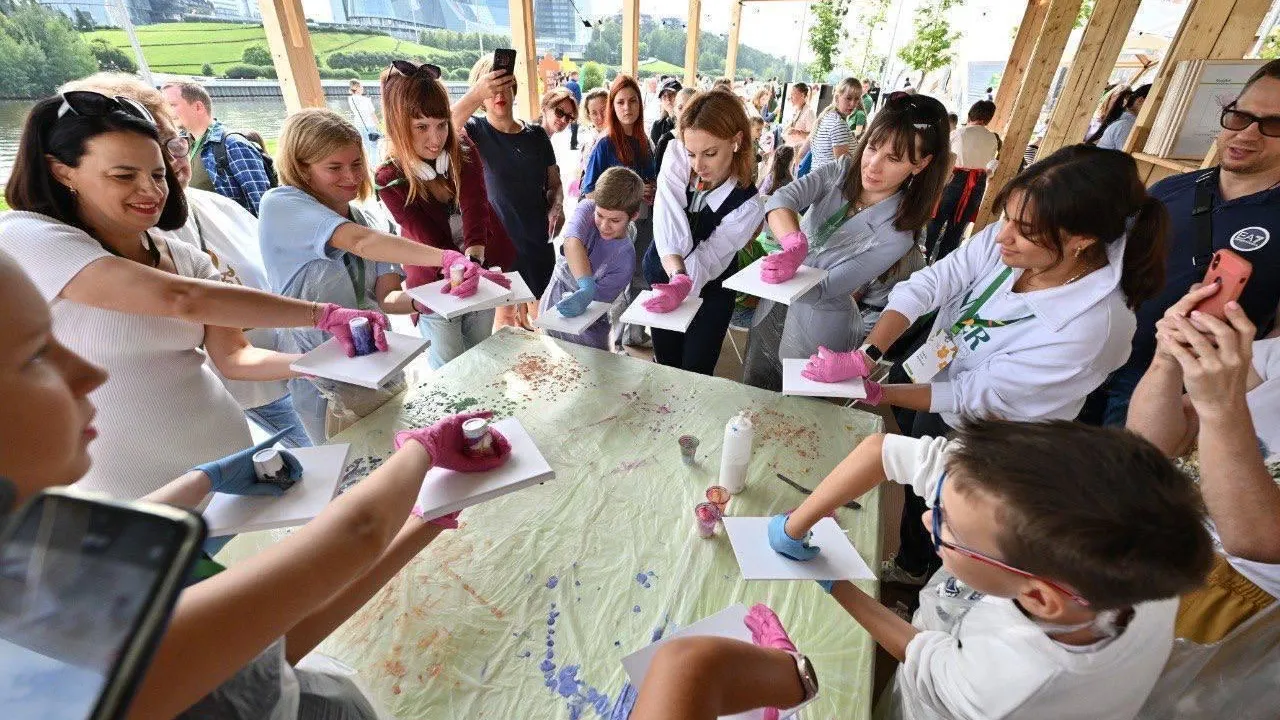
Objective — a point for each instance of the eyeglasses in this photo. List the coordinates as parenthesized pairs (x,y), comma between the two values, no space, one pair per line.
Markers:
(563,115)
(177,146)
(405,67)
(87,103)
(1237,120)
(939,521)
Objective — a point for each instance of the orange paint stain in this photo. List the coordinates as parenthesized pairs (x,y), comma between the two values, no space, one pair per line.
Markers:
(395,689)
(394,668)
(435,670)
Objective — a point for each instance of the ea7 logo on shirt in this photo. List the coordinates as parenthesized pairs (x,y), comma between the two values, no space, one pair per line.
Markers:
(1250,238)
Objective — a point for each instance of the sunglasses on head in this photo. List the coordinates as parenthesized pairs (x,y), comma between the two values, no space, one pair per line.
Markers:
(406,67)
(922,115)
(87,103)
(1237,120)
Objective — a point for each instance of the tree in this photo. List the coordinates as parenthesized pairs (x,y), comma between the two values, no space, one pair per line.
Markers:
(592,76)
(206,70)
(1271,46)
(84,21)
(1082,17)
(39,50)
(111,58)
(256,55)
(826,34)
(930,49)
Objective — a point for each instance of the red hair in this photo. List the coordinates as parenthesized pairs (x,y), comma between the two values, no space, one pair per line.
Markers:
(617,134)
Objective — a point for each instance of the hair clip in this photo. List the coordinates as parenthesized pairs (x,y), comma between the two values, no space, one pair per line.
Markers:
(921,126)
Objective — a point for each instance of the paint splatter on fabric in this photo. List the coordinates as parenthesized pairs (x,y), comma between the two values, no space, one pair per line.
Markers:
(579,696)
(552,582)
(645,579)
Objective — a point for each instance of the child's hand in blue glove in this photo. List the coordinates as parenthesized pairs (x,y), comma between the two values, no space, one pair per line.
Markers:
(577,303)
(234,474)
(785,545)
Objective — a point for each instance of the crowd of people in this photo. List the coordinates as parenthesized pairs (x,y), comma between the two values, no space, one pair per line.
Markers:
(1103,448)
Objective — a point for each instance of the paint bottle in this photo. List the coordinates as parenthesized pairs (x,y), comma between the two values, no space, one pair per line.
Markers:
(268,465)
(361,335)
(735,455)
(456,272)
(475,432)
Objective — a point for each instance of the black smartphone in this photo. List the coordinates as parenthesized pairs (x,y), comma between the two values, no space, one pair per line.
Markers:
(505,59)
(86,588)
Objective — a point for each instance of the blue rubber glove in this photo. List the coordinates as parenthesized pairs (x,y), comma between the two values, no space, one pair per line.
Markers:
(785,545)
(576,304)
(234,474)
(826,585)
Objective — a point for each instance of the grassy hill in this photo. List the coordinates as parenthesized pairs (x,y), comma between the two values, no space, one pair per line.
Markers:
(181,48)
(660,67)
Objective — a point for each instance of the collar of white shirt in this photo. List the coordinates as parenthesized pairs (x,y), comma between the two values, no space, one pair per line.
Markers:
(716,197)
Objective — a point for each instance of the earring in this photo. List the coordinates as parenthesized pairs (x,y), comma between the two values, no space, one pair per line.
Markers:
(735,147)
(74,192)
(1079,250)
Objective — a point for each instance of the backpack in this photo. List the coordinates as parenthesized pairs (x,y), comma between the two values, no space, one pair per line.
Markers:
(223,161)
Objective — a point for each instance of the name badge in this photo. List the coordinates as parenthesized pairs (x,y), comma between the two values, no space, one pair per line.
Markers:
(932,358)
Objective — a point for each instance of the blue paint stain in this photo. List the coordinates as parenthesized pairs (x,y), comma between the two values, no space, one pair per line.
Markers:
(577,583)
(579,697)
(616,643)
(552,582)
(657,635)
(621,709)
(635,609)
(547,666)
(524,654)
(484,670)
(643,580)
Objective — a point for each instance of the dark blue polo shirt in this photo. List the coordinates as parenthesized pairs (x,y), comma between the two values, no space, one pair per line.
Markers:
(1249,225)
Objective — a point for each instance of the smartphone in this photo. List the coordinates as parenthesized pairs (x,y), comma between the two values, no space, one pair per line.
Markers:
(86,588)
(505,59)
(1233,272)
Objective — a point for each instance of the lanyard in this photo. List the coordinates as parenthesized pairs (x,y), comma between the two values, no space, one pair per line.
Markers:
(357,277)
(830,226)
(195,149)
(970,316)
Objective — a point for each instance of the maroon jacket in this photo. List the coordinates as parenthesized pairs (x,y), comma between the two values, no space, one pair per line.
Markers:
(426,220)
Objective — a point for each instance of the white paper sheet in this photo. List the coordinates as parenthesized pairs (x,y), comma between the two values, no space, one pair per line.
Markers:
(838,559)
(321,471)
(520,293)
(444,491)
(371,371)
(727,623)
(677,320)
(747,280)
(553,320)
(450,307)
(793,383)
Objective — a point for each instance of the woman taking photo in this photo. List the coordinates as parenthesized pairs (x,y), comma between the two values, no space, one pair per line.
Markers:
(833,135)
(707,210)
(433,185)
(91,184)
(862,214)
(317,245)
(232,642)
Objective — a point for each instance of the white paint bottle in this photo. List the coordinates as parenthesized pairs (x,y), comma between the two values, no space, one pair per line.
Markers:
(735,455)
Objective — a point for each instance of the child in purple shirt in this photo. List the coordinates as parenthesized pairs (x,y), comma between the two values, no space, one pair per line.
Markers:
(598,256)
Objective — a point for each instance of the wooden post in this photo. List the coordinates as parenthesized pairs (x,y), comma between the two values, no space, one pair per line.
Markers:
(694,30)
(291,52)
(1096,57)
(631,37)
(1040,68)
(735,26)
(526,70)
(1019,57)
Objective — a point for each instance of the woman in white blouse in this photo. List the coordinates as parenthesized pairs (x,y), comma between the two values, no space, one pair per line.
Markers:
(707,209)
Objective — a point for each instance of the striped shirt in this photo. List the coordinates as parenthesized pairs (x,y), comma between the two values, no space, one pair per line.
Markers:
(833,131)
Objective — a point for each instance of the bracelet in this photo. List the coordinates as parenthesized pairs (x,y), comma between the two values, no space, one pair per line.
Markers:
(315,313)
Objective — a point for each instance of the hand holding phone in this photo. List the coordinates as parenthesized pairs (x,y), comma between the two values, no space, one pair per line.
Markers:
(1231,272)
(504,59)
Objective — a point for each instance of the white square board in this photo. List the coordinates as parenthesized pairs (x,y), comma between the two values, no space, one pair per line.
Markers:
(551,319)
(677,320)
(520,293)
(444,491)
(838,559)
(330,361)
(450,307)
(747,280)
(793,383)
(727,623)
(321,470)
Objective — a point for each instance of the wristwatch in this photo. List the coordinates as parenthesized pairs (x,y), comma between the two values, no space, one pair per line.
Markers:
(808,678)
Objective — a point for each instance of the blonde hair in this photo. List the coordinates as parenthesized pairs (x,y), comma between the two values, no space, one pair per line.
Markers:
(720,113)
(123,84)
(845,86)
(404,99)
(593,94)
(484,66)
(619,188)
(309,136)
(555,96)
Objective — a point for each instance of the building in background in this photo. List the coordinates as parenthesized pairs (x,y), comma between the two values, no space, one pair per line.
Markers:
(556,20)
(105,13)
(235,10)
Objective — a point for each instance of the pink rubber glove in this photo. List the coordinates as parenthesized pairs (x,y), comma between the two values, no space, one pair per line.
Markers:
(449,449)
(767,632)
(875,393)
(470,276)
(496,276)
(448,522)
(669,295)
(832,367)
(334,320)
(781,266)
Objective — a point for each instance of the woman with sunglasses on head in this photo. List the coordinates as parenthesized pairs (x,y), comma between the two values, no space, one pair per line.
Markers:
(433,185)
(232,645)
(91,184)
(521,175)
(707,211)
(558,110)
(862,215)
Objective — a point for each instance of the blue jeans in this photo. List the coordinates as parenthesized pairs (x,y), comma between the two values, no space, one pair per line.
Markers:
(451,338)
(276,416)
(1108,406)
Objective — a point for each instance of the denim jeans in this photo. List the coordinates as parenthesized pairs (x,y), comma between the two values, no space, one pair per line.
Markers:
(451,338)
(278,415)
(1108,406)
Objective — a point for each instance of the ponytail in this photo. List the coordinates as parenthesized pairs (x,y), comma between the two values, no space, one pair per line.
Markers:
(1142,276)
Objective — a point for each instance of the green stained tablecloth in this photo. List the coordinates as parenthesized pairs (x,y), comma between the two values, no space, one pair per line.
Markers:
(526,610)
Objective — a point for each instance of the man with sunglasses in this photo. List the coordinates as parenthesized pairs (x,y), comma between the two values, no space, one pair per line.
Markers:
(1234,206)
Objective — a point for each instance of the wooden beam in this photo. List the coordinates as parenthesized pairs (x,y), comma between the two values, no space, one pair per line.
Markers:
(291,53)
(631,37)
(694,30)
(1041,65)
(522,41)
(735,27)
(1019,57)
(1096,57)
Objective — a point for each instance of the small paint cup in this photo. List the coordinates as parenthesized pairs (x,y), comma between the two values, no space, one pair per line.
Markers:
(719,496)
(362,335)
(705,516)
(456,272)
(267,464)
(475,432)
(688,449)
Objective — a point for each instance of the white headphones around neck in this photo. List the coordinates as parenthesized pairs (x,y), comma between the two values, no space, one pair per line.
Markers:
(430,173)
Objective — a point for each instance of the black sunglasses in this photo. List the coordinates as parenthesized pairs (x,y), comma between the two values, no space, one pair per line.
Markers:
(1237,120)
(87,103)
(566,116)
(405,67)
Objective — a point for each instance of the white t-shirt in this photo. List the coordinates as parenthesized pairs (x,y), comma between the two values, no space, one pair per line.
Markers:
(228,233)
(975,147)
(993,663)
(162,410)
(365,118)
